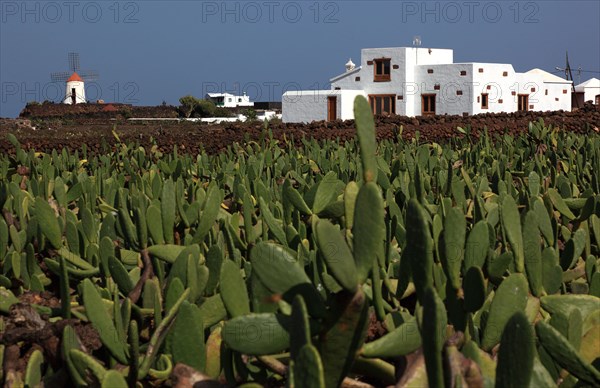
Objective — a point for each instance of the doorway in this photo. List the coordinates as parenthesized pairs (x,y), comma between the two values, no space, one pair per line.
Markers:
(331,108)
(523,102)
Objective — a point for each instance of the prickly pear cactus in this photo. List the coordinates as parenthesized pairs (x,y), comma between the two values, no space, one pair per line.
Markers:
(303,263)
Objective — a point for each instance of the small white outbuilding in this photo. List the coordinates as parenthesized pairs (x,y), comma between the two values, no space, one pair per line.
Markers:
(415,81)
(228,100)
(75,93)
(590,90)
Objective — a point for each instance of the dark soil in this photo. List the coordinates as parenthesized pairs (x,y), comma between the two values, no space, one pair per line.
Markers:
(96,133)
(45,298)
(26,330)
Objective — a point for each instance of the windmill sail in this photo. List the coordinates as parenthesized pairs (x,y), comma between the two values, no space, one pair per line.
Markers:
(60,76)
(74,67)
(74,62)
(88,75)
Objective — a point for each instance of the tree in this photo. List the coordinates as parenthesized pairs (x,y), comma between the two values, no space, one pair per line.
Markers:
(250,114)
(188,105)
(206,108)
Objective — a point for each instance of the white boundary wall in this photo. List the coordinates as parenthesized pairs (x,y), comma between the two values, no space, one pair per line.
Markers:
(305,106)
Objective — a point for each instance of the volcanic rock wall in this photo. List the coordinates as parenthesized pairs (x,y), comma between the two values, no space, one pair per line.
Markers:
(95,111)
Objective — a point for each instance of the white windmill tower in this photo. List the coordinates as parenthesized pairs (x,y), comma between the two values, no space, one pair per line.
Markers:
(75,80)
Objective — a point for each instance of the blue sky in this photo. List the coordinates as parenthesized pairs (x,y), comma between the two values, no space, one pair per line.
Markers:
(147,52)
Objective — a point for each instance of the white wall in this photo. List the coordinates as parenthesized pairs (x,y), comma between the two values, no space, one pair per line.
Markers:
(410,90)
(533,85)
(305,106)
(230,101)
(243,101)
(346,103)
(402,80)
(590,93)
(450,82)
(79,92)
(235,101)
(556,99)
(267,115)
(499,81)
(347,80)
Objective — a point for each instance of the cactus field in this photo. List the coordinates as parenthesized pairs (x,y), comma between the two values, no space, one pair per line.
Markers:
(279,262)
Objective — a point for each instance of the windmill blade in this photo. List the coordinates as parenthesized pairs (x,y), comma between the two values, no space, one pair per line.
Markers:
(74,62)
(60,76)
(88,75)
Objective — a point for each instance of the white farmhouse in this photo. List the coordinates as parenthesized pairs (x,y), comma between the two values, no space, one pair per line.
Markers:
(415,81)
(227,100)
(590,90)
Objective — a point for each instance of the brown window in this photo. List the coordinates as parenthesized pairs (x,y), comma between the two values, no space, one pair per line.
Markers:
(427,104)
(481,69)
(500,101)
(514,93)
(530,106)
(489,87)
(484,101)
(395,67)
(383,103)
(532,90)
(429,71)
(564,91)
(382,70)
(556,99)
(523,102)
(459,92)
(436,87)
(370,63)
(546,92)
(505,74)
(357,79)
(463,72)
(400,97)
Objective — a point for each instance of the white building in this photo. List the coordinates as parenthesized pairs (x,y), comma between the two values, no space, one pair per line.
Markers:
(590,90)
(75,93)
(227,100)
(422,81)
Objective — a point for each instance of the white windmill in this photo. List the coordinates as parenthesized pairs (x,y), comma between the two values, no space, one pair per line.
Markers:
(75,80)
